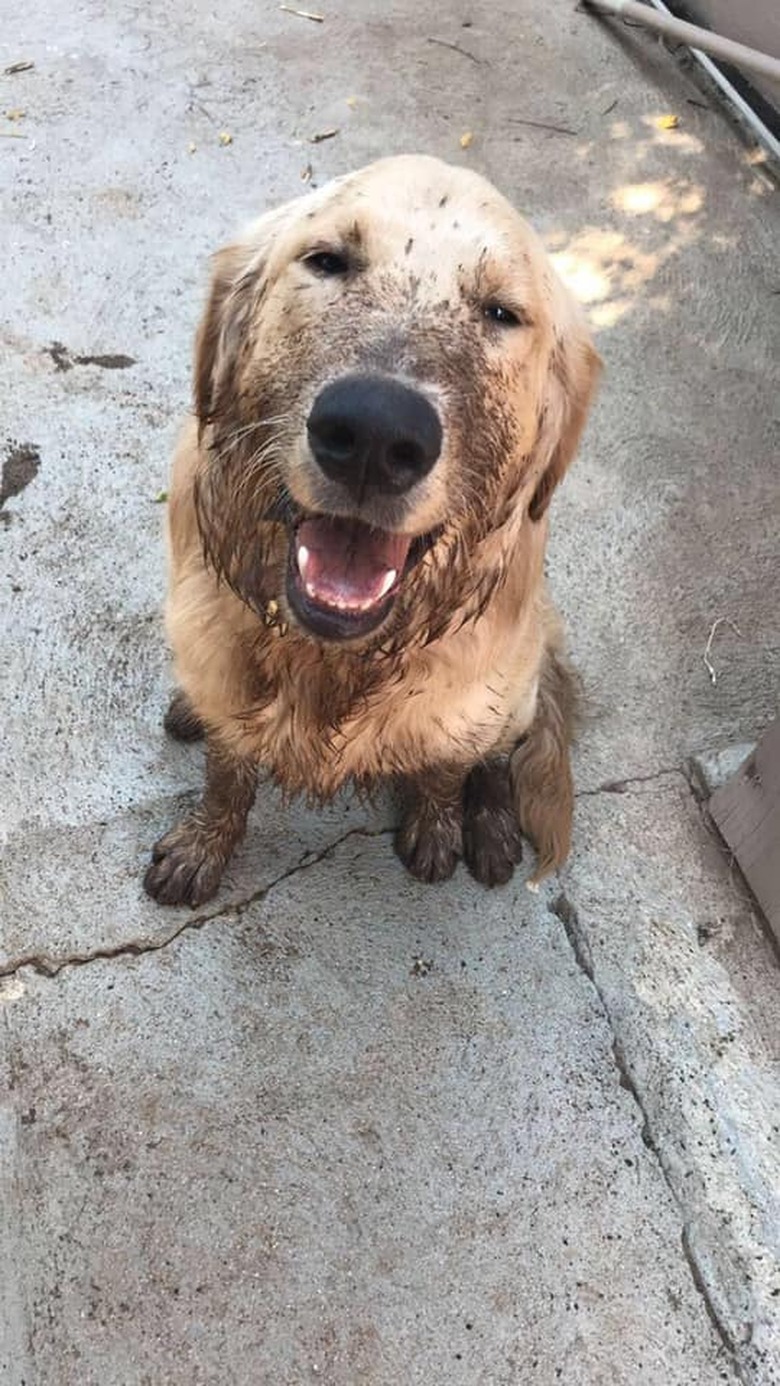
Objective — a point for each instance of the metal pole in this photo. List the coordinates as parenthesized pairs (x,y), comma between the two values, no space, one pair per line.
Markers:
(737,54)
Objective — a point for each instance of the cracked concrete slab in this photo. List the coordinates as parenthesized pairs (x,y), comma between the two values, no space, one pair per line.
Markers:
(272,1144)
(333,1164)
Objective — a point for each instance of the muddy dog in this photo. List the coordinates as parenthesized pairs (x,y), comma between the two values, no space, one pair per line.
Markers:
(390,382)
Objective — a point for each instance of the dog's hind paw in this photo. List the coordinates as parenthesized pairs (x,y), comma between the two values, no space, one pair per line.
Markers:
(186,869)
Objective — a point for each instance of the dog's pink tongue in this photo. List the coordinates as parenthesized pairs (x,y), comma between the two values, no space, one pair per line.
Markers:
(347,565)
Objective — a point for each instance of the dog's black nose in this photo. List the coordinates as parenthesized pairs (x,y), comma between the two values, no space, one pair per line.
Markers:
(374,434)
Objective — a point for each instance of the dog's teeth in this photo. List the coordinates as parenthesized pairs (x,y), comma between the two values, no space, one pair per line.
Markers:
(387,581)
(343,604)
(302,558)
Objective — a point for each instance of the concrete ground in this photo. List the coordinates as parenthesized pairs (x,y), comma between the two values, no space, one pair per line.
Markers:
(339,1127)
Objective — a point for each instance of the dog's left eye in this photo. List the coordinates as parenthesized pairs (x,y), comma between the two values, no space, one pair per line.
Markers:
(327,262)
(499,313)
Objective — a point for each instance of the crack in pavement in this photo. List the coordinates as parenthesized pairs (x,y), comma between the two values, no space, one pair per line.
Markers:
(50,967)
(625,786)
(564,909)
(697,1276)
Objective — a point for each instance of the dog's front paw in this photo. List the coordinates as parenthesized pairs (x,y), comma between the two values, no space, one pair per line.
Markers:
(492,845)
(186,866)
(430,845)
(492,841)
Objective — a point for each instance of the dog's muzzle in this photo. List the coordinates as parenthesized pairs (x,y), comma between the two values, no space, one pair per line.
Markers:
(376,438)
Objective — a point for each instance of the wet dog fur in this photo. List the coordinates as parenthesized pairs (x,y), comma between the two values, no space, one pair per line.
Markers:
(462,695)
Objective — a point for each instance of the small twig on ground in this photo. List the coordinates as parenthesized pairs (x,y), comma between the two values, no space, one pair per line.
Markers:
(456,48)
(721,621)
(304,14)
(323,135)
(23,66)
(610,107)
(543,125)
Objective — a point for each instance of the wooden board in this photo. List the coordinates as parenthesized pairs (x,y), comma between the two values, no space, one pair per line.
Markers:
(746,810)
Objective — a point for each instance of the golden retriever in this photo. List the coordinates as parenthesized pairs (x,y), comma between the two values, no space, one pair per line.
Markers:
(390,382)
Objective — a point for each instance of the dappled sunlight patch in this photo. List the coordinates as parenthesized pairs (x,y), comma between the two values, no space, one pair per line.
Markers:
(665,199)
(762,182)
(637,197)
(673,137)
(583,275)
(604,271)
(609,313)
(610,271)
(760,186)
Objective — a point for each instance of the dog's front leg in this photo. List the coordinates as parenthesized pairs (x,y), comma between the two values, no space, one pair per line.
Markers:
(492,844)
(430,838)
(188,862)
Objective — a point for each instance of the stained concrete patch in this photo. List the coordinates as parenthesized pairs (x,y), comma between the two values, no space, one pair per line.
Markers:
(64,360)
(20,466)
(321,1167)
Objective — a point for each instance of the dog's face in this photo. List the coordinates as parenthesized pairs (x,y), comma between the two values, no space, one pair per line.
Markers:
(389,371)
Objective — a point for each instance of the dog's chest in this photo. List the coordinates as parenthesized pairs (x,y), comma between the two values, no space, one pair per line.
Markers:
(428,717)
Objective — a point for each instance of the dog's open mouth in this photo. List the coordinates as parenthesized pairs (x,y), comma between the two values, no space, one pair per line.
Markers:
(343,576)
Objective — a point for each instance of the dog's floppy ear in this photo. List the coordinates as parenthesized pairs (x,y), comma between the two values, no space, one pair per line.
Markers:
(220,326)
(572,376)
(236,280)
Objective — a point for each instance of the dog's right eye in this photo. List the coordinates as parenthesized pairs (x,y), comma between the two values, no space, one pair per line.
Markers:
(499,313)
(327,262)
